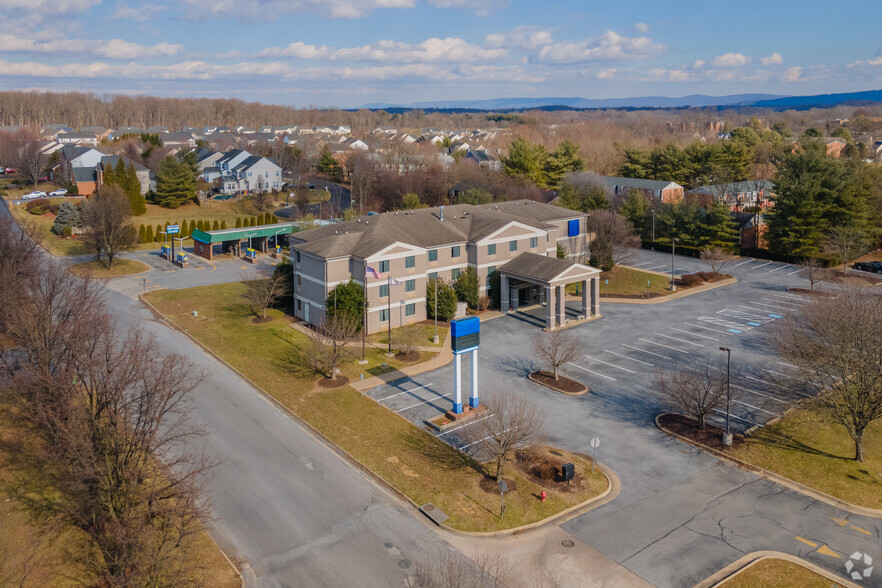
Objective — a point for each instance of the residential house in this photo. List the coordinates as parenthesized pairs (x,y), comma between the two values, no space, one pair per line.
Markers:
(240,171)
(835,146)
(484,159)
(84,139)
(178,139)
(736,196)
(85,179)
(146,178)
(409,248)
(655,190)
(353,143)
(457,146)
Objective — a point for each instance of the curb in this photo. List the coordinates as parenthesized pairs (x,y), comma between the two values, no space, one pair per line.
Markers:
(778,478)
(675,296)
(585,391)
(612,479)
(745,562)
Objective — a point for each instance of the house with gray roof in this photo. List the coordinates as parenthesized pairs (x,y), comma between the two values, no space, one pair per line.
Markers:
(654,190)
(737,196)
(408,249)
(239,171)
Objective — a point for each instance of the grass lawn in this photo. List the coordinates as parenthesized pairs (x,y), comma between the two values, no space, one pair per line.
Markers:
(806,448)
(316,196)
(120,267)
(779,573)
(407,457)
(428,332)
(622,281)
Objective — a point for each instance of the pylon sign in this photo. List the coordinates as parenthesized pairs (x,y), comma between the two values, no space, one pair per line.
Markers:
(465,337)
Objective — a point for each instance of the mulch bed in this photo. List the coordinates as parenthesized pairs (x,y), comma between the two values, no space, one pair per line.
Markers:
(808,292)
(634,296)
(329,383)
(687,427)
(409,357)
(838,277)
(489,485)
(563,384)
(543,466)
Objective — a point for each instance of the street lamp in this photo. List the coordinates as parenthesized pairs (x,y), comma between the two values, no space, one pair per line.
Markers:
(673,247)
(727,436)
(653,227)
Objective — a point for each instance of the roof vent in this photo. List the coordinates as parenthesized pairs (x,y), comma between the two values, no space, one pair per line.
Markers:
(442,213)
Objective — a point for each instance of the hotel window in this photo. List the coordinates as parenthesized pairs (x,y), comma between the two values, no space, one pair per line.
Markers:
(384,315)
(410,286)
(454,273)
(512,245)
(433,255)
(410,310)
(409,262)
(384,266)
(297,256)
(534,242)
(433,275)
(491,249)
(384,290)
(454,252)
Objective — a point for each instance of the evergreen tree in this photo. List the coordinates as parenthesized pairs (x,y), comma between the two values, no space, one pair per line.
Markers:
(132,187)
(636,164)
(175,184)
(253,221)
(529,161)
(142,234)
(68,217)
(347,300)
(223,225)
(719,228)
(467,287)
(563,160)
(200,225)
(635,208)
(158,235)
(148,235)
(275,220)
(215,226)
(192,227)
(239,223)
(108,178)
(446,300)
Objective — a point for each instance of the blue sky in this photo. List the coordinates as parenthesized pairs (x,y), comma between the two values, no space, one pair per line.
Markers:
(346,53)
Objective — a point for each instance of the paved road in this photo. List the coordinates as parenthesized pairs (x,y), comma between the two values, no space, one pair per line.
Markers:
(682,514)
(340,200)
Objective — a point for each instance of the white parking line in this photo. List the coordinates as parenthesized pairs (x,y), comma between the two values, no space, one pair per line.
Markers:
(756,267)
(440,396)
(783,300)
(484,439)
(694,334)
(796,272)
(463,426)
(400,393)
(657,267)
(680,340)
(793,296)
(752,391)
(784,375)
(779,268)
(787,364)
(768,383)
(737,418)
(629,357)
(769,305)
(591,371)
(755,407)
(609,364)
(662,345)
(645,351)
(743,262)
(641,264)
(708,328)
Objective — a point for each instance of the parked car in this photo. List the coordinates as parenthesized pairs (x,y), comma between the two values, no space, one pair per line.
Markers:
(868,266)
(10,170)
(43,179)
(34,195)
(58,192)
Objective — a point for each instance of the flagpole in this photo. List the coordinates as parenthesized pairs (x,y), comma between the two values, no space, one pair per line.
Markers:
(390,312)
(364,311)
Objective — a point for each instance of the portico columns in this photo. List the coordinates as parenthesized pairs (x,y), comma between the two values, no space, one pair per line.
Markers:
(562,305)
(585,285)
(504,293)
(550,306)
(595,296)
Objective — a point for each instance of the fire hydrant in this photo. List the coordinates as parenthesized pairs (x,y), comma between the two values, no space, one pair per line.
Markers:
(543,496)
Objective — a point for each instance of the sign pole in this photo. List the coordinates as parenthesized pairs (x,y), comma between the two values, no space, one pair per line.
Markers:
(389,311)
(594,443)
(364,312)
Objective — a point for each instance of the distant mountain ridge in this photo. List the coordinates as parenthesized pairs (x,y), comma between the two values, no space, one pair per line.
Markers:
(773,101)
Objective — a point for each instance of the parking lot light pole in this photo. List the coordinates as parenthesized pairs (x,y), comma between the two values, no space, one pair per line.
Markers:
(673,248)
(727,436)
(653,226)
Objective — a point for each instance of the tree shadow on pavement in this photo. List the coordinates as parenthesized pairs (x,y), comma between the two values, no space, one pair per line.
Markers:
(444,456)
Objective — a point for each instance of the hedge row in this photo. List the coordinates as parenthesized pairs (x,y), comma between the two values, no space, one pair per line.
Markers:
(827,261)
(147,234)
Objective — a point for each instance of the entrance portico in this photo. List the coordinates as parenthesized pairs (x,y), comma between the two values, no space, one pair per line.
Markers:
(529,272)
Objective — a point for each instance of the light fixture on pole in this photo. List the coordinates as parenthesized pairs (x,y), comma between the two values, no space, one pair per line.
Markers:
(727,436)
(435,338)
(673,248)
(652,210)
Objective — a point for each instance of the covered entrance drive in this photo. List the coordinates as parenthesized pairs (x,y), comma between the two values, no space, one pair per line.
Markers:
(530,278)
(231,240)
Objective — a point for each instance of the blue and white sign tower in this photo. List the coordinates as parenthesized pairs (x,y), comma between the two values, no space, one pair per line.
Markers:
(465,336)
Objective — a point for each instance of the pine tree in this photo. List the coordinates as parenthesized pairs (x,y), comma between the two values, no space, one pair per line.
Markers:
(148,235)
(719,228)
(142,234)
(223,226)
(158,235)
(253,221)
(275,220)
(192,227)
(68,217)
(175,184)
(108,178)
(239,223)
(200,225)
(215,226)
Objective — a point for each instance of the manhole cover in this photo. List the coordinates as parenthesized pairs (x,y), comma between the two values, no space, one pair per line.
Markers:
(404,564)
(429,507)
(567,543)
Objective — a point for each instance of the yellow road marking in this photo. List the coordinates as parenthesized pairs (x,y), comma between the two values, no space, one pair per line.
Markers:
(806,541)
(244,267)
(864,531)
(840,522)
(824,550)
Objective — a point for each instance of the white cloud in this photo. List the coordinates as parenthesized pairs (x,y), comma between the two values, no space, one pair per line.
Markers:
(261,10)
(641,27)
(229,55)
(791,74)
(522,37)
(142,13)
(731,60)
(484,8)
(698,64)
(49,6)
(773,59)
(608,47)
(452,50)
(606,74)
(669,75)
(108,49)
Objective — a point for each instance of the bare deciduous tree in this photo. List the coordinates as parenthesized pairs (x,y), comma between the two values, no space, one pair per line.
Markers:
(328,347)
(263,293)
(514,423)
(31,160)
(457,571)
(263,201)
(848,243)
(363,179)
(695,389)
(556,348)
(811,269)
(837,345)
(612,239)
(408,339)
(106,223)
(717,258)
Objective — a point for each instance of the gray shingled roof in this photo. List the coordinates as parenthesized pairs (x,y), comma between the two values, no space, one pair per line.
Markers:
(629,182)
(540,267)
(367,235)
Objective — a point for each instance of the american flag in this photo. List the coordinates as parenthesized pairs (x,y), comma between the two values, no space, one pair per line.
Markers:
(372,273)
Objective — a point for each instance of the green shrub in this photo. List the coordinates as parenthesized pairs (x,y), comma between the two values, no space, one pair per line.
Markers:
(446,300)
(39,202)
(466,287)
